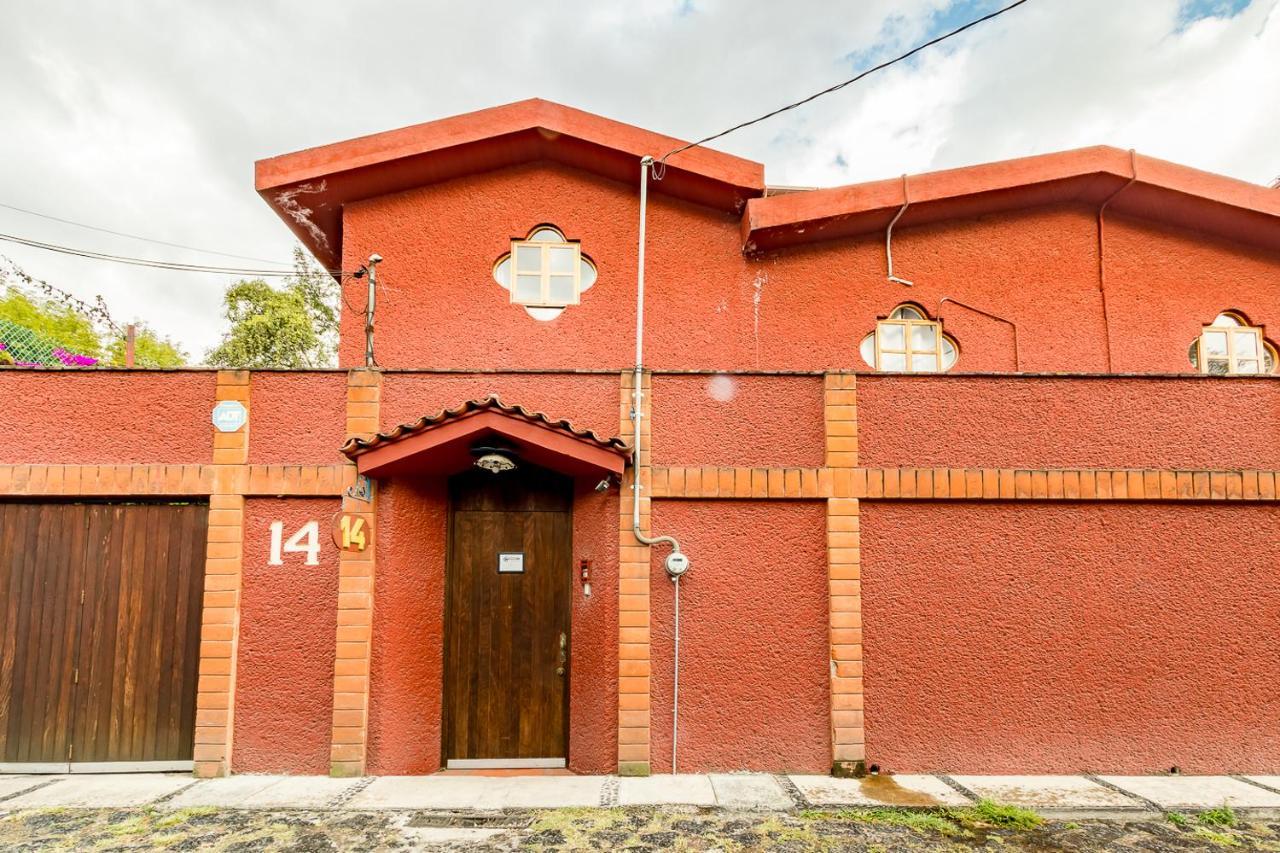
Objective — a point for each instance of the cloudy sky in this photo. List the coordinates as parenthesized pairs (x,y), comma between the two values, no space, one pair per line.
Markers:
(145,116)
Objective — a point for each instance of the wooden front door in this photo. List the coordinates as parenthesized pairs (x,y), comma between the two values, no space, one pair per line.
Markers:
(99,632)
(509,581)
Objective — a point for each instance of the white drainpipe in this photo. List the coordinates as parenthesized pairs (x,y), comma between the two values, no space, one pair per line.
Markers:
(677,563)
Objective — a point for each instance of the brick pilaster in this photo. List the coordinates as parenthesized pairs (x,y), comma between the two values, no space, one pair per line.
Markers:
(220,617)
(844,578)
(354,642)
(634,660)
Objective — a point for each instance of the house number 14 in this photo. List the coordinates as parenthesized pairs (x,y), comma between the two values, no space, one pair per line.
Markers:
(305,541)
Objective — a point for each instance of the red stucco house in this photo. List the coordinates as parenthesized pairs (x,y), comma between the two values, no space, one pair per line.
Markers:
(1011,508)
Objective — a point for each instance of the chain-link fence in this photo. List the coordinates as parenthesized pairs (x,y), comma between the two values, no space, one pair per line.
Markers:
(31,349)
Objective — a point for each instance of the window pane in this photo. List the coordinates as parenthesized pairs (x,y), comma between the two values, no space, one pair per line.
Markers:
(1218,366)
(924,338)
(1246,344)
(588,276)
(893,361)
(1247,365)
(546,235)
(563,259)
(528,258)
(906,312)
(948,354)
(1215,343)
(561,292)
(924,364)
(528,288)
(1193,354)
(1225,320)
(502,272)
(892,337)
(1268,361)
(868,350)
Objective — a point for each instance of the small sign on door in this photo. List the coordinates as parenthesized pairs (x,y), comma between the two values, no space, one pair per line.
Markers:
(511,563)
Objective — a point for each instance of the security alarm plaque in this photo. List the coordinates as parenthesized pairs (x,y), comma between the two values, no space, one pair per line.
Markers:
(511,563)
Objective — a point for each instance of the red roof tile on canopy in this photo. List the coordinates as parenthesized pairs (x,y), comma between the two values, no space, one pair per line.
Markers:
(441,443)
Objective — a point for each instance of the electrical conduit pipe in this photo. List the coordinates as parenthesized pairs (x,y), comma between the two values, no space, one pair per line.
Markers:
(676,563)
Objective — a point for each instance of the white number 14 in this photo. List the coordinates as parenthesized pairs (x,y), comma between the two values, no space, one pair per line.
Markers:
(305,541)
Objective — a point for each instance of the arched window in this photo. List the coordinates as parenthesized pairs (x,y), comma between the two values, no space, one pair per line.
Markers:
(907,341)
(1229,346)
(545,272)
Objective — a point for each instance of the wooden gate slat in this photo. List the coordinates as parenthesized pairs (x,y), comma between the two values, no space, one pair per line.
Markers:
(134,640)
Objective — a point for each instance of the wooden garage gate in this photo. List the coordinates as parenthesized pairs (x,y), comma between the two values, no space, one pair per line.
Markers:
(100,625)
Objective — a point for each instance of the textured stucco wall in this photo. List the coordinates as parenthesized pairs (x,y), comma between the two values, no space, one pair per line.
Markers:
(753,637)
(1064,422)
(297,417)
(79,417)
(590,401)
(593,654)
(737,420)
(1059,638)
(408,628)
(804,308)
(1164,283)
(288,620)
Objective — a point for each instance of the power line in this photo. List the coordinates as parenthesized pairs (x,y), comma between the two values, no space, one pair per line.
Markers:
(136,236)
(660,167)
(146,262)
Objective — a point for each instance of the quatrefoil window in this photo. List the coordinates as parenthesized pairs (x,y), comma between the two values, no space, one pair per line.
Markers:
(544,272)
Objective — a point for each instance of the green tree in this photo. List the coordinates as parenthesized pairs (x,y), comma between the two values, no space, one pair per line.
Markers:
(149,349)
(291,326)
(79,327)
(60,324)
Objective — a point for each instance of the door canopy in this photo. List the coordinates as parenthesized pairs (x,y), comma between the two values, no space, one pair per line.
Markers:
(452,440)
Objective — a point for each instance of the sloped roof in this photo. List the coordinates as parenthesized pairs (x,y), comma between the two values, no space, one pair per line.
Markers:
(447,436)
(307,189)
(1160,191)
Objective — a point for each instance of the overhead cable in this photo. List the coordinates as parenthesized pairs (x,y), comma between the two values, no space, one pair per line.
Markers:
(660,167)
(154,264)
(137,236)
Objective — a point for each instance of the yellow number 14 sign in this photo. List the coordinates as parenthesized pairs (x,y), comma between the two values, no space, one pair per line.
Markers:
(351,532)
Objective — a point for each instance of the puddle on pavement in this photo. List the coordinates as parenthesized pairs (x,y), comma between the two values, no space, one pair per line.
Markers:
(883,789)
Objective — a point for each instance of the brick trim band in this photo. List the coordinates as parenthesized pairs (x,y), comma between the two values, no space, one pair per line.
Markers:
(1165,484)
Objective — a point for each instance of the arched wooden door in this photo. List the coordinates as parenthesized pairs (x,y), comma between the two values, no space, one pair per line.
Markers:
(507,618)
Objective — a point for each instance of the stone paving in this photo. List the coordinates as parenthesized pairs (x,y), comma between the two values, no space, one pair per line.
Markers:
(1056,796)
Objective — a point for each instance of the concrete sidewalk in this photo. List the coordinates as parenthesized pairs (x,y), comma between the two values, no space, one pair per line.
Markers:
(1080,797)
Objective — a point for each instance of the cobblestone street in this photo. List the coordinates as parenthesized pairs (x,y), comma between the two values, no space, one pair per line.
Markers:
(674,828)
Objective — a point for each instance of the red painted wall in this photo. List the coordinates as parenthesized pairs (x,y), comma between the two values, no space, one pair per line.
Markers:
(804,308)
(753,638)
(288,620)
(1163,284)
(408,628)
(1059,638)
(84,417)
(593,653)
(590,401)
(1065,422)
(297,417)
(737,420)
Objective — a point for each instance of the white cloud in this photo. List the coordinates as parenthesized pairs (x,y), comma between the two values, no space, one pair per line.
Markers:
(147,116)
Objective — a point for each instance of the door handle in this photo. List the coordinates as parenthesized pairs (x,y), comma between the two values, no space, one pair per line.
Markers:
(563,656)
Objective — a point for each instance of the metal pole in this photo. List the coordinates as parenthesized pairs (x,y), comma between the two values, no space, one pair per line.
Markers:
(374,260)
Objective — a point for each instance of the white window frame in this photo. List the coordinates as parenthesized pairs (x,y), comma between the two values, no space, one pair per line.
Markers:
(1260,352)
(544,271)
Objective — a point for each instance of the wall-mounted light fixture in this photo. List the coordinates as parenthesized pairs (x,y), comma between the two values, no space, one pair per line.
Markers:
(494,459)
